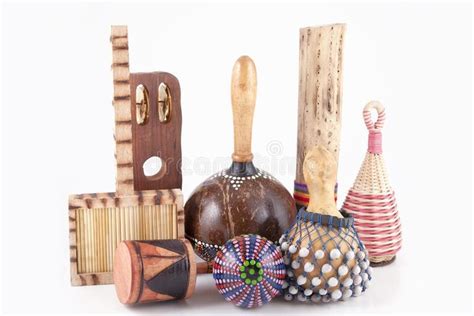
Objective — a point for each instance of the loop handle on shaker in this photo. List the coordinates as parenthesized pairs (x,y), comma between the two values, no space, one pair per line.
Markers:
(380,118)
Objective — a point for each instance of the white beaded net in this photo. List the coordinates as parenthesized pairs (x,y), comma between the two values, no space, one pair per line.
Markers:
(325,259)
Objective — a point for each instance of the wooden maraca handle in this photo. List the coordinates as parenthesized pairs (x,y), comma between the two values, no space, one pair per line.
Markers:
(244,94)
(320,170)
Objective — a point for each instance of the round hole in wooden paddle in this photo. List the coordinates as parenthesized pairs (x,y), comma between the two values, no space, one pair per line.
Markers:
(153,167)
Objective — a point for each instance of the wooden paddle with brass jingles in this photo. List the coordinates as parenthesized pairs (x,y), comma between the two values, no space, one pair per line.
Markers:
(242,199)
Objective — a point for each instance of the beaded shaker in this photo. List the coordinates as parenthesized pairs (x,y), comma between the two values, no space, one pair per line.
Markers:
(325,259)
(249,271)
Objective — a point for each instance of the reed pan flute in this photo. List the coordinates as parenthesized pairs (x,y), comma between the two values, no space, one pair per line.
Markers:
(145,207)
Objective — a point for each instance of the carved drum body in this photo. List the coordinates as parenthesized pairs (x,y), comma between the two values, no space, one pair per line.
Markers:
(150,271)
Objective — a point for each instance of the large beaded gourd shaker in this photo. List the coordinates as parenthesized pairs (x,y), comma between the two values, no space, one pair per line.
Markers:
(325,259)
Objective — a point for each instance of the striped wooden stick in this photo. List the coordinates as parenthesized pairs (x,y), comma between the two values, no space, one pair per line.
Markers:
(122,106)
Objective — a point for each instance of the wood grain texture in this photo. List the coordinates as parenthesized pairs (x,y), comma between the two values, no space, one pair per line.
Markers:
(98,221)
(243,95)
(241,199)
(134,204)
(104,200)
(155,138)
(92,279)
(122,108)
(154,270)
(320,91)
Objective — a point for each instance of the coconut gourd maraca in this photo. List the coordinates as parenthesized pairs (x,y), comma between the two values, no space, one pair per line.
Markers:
(241,199)
(325,259)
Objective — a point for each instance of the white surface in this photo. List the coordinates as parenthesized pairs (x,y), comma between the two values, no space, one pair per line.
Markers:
(57,133)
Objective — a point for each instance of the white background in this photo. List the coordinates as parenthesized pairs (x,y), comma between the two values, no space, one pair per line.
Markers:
(57,133)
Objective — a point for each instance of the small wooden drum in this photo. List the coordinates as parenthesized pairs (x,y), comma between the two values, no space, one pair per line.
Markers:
(155,270)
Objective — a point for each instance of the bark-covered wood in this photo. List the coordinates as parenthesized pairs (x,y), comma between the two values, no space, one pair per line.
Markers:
(320,91)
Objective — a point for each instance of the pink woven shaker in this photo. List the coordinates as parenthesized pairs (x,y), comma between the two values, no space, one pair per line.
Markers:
(371,200)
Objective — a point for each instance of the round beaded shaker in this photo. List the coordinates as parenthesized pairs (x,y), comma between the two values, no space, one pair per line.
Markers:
(325,259)
(249,271)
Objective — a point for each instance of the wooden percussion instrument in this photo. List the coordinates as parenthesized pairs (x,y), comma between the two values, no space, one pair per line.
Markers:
(242,199)
(144,206)
(155,270)
(319,97)
(325,259)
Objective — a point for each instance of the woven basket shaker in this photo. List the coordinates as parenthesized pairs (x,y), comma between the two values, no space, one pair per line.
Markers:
(371,200)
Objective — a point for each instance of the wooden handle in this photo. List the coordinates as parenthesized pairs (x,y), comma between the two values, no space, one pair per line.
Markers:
(244,94)
(320,170)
